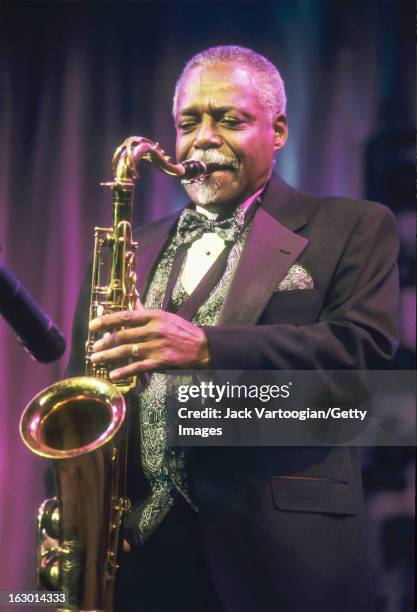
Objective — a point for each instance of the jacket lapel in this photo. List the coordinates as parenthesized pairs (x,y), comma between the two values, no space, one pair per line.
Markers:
(271,249)
(151,241)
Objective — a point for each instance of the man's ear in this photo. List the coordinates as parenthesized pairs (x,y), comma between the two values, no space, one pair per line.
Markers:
(280,126)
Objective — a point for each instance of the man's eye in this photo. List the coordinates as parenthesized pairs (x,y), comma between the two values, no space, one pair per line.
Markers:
(231,122)
(187,126)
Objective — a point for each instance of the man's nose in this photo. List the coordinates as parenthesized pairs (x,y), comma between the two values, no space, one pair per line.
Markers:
(207,136)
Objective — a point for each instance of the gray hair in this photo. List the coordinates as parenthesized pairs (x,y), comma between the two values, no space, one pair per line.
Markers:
(271,91)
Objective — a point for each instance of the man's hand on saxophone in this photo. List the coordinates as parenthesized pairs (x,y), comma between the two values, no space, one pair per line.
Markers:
(155,339)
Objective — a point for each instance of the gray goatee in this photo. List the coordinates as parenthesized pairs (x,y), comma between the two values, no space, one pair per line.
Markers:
(204,192)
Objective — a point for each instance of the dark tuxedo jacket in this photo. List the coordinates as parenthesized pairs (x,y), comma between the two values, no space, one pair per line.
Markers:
(283,526)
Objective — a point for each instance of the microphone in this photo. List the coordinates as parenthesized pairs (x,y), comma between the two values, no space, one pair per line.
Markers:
(36,331)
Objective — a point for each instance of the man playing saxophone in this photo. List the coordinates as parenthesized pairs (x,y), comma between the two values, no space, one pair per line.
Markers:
(251,275)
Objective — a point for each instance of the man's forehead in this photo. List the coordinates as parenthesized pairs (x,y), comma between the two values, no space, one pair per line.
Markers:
(216,83)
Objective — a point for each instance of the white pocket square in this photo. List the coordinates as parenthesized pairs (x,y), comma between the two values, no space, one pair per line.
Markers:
(297,277)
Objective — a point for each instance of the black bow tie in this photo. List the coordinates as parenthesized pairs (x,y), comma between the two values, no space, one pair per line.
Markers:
(192,225)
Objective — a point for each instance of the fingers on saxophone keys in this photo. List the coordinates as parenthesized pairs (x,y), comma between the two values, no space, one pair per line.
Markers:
(105,322)
(106,341)
(147,365)
(118,353)
(125,318)
(115,338)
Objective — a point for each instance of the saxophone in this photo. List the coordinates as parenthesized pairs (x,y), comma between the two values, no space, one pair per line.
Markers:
(81,423)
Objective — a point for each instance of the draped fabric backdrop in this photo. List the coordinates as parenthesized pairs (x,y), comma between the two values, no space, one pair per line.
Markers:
(77,78)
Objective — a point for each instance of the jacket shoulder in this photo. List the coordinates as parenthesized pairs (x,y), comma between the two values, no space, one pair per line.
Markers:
(293,207)
(343,207)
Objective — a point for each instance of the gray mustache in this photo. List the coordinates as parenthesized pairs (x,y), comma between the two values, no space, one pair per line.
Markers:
(213,158)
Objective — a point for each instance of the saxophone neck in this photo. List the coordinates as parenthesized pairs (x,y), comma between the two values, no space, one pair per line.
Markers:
(136,148)
(122,199)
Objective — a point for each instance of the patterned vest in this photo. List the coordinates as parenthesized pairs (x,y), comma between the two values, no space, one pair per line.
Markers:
(166,467)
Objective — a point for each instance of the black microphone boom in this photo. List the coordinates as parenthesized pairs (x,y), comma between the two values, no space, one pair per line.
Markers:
(36,331)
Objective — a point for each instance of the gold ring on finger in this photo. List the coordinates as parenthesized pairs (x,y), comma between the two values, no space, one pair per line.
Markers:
(135,350)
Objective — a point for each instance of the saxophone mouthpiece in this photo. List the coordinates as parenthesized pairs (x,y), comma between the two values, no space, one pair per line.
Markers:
(193,170)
